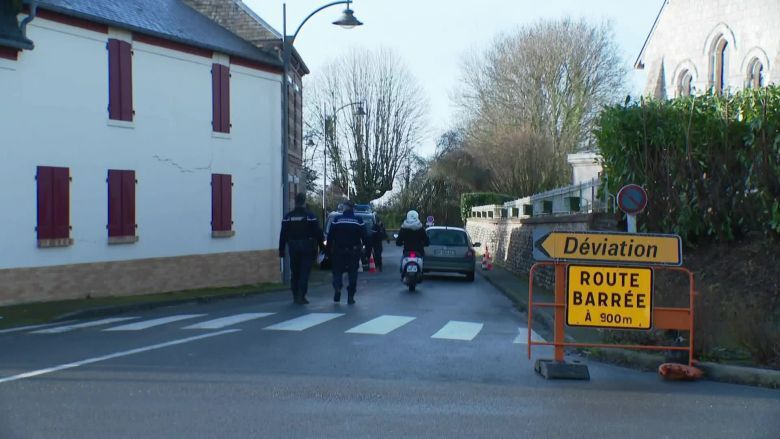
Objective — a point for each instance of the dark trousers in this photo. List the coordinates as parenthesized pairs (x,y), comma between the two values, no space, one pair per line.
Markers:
(345,260)
(301,260)
(378,255)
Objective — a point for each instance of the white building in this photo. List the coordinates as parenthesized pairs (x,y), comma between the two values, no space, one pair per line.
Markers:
(140,153)
(720,45)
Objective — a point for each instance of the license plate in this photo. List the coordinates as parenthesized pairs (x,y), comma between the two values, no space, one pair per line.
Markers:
(444,252)
(411,269)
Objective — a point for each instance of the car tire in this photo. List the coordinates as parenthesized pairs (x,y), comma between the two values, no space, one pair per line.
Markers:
(470,277)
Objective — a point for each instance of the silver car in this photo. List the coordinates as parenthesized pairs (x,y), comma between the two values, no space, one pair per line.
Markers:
(451,251)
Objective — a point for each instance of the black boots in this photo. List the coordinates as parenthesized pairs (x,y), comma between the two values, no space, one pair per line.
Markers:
(337,296)
(351,299)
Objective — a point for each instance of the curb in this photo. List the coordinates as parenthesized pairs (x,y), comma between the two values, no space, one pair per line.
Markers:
(143,306)
(748,376)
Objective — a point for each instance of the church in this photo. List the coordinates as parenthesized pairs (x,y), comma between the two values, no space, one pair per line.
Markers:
(696,46)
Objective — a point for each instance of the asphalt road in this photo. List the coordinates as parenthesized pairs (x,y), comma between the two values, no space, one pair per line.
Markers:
(443,361)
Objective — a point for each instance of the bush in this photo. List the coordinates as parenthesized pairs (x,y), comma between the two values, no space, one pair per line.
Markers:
(710,164)
(471,199)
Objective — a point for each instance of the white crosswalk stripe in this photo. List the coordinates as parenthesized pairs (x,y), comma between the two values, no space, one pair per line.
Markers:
(455,330)
(229,320)
(381,325)
(304,322)
(138,326)
(31,327)
(522,336)
(66,328)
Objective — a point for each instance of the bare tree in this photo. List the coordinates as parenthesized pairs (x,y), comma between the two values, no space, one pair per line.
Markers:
(533,97)
(365,153)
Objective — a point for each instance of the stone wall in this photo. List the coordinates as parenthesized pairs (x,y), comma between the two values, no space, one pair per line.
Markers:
(510,241)
(141,276)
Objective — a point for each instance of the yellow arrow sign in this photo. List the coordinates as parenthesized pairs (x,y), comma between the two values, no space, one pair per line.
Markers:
(632,248)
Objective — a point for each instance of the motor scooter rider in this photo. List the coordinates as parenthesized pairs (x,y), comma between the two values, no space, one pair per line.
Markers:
(412,235)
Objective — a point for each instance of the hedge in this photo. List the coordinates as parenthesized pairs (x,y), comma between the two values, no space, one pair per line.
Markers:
(710,164)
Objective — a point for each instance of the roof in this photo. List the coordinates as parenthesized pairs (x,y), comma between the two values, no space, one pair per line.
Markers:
(169,19)
(639,63)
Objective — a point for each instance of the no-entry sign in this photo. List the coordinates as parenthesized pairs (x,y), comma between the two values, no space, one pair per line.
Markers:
(609,297)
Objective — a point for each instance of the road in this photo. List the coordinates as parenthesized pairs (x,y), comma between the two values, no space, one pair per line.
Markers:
(444,361)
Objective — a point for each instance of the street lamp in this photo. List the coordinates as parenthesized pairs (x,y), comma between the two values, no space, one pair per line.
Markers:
(330,127)
(346,21)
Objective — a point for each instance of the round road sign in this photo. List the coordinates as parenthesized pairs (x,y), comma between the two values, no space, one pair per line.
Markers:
(429,220)
(632,199)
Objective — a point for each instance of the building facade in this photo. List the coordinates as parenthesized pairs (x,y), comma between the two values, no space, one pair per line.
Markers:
(141,153)
(696,46)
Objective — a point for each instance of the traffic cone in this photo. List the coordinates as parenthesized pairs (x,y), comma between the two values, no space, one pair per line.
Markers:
(489,260)
(371,265)
(484,260)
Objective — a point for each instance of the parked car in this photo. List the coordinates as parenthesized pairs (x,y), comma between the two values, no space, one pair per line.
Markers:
(368,221)
(451,251)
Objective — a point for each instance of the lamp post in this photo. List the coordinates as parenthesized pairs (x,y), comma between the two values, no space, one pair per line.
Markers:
(330,127)
(346,21)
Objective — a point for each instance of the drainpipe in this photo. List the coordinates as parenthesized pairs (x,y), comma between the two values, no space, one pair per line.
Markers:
(29,18)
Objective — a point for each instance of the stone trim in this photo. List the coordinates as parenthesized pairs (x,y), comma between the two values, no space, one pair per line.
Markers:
(139,276)
(51,243)
(223,233)
(116,240)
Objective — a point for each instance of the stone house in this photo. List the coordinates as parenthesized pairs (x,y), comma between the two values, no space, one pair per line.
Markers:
(722,45)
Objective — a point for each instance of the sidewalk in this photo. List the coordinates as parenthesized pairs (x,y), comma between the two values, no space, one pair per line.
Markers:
(516,289)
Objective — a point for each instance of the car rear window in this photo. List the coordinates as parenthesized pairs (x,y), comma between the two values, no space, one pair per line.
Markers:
(451,238)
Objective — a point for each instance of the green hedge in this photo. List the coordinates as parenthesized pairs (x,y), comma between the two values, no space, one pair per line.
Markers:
(471,199)
(710,164)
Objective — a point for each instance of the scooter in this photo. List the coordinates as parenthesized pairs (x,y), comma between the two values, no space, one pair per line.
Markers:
(412,269)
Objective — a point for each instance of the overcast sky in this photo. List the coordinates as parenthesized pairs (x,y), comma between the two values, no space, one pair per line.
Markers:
(432,36)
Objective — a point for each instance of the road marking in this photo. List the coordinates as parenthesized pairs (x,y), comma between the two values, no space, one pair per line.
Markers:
(138,326)
(229,320)
(67,328)
(381,325)
(26,328)
(455,330)
(111,356)
(304,322)
(522,336)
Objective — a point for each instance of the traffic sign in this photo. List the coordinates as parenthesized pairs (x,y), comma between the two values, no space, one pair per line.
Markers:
(632,199)
(429,220)
(609,297)
(625,248)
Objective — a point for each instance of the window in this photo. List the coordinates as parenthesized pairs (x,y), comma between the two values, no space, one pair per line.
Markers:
(755,74)
(53,206)
(120,80)
(685,83)
(220,98)
(720,66)
(221,205)
(121,204)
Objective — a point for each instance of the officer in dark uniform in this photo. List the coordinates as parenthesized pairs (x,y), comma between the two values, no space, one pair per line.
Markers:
(346,238)
(302,234)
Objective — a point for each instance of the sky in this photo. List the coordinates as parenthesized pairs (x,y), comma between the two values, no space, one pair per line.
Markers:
(432,37)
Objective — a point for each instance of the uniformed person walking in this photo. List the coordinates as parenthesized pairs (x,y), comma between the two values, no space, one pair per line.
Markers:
(301,233)
(346,238)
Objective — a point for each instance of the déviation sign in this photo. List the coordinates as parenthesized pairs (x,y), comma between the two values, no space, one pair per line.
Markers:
(631,248)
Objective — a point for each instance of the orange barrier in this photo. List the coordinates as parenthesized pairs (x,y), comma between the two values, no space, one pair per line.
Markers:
(663,317)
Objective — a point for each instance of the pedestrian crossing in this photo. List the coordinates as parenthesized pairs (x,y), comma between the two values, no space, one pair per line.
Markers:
(454,330)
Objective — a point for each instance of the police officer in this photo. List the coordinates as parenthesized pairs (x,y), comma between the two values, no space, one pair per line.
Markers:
(346,238)
(301,233)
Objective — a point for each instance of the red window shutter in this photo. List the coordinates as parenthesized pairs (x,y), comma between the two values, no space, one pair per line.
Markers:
(216,97)
(114,81)
(44,177)
(126,75)
(61,202)
(216,202)
(224,92)
(128,203)
(227,202)
(115,203)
